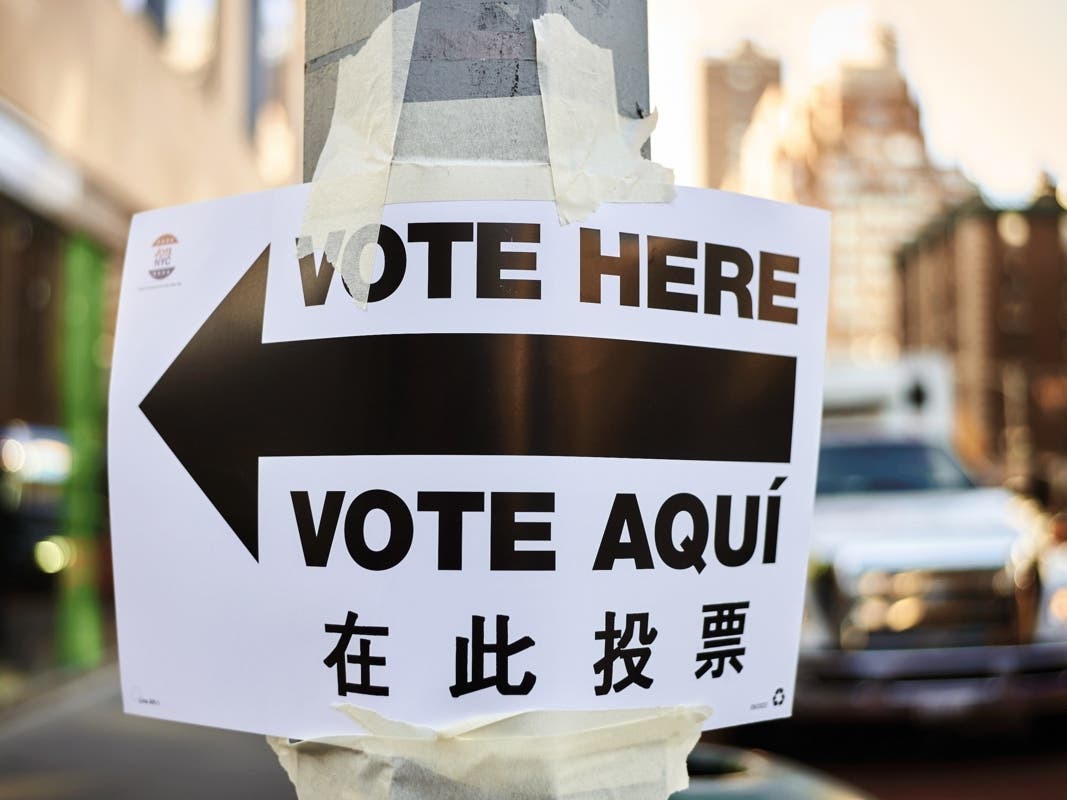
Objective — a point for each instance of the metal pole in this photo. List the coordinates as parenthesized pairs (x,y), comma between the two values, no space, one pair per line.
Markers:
(467,49)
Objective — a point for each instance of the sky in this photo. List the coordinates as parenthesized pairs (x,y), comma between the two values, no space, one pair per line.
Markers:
(990,76)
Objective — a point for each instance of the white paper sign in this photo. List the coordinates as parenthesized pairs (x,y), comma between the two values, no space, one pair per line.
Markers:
(547,467)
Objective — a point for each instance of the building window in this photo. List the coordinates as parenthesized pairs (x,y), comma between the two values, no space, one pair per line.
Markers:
(188,30)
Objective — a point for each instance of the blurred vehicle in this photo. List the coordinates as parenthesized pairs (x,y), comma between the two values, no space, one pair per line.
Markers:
(717,771)
(928,595)
(35,461)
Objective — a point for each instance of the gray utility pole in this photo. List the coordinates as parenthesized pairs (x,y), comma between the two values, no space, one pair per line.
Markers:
(464,50)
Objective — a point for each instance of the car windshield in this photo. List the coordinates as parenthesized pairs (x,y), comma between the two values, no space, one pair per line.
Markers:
(887,467)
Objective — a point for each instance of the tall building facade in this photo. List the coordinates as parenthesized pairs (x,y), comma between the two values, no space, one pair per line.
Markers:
(733,87)
(854,145)
(989,286)
(107,108)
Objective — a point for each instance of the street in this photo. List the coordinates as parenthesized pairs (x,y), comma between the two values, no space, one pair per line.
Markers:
(928,762)
(76,744)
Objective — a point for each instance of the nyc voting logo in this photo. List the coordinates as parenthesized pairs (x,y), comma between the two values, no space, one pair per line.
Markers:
(164,248)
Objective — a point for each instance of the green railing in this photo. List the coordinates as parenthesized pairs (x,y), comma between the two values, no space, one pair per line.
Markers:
(79,641)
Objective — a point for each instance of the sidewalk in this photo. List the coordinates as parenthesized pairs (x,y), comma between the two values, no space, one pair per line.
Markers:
(73,742)
(27,649)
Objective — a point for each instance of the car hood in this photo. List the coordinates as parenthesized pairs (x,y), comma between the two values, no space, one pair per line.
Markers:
(895,531)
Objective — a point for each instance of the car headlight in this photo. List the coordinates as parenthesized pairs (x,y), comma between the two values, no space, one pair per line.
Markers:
(1053,616)
(1057,606)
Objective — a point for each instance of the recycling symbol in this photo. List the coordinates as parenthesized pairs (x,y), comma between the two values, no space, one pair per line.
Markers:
(779,696)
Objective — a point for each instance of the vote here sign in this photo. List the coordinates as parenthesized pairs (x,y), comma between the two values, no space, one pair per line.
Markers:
(546,467)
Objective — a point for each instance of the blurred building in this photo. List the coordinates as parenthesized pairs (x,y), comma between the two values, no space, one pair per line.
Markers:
(989,286)
(107,108)
(733,86)
(852,144)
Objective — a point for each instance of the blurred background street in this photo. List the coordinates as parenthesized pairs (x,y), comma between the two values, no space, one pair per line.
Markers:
(920,762)
(934,652)
(75,742)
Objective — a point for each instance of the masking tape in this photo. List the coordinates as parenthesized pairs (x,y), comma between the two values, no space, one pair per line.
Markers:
(348,189)
(455,130)
(595,158)
(594,154)
(409,183)
(538,755)
(465,165)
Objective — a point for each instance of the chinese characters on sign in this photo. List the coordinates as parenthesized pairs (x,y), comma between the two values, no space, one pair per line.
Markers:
(470,660)
(339,657)
(634,658)
(724,623)
(723,626)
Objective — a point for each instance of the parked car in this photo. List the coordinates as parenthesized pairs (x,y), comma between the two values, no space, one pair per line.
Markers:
(35,461)
(928,594)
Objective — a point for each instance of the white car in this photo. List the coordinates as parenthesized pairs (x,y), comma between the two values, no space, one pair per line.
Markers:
(928,595)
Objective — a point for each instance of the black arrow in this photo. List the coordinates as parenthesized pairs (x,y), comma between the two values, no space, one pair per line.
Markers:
(229,399)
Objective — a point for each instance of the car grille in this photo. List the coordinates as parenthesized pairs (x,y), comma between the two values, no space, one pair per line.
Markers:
(932,608)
